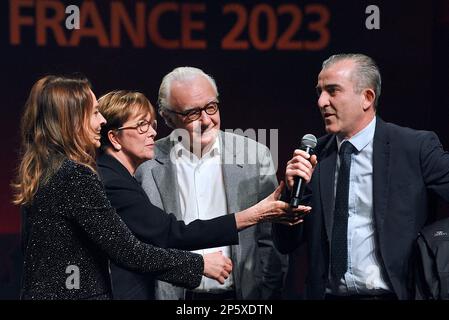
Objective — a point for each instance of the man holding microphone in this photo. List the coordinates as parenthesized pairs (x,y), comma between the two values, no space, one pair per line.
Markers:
(369,191)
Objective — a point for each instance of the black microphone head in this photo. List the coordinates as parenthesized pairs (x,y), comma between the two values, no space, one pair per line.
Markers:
(309,140)
(308,143)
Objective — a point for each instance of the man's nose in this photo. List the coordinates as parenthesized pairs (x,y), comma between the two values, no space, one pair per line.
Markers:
(323,100)
(204,117)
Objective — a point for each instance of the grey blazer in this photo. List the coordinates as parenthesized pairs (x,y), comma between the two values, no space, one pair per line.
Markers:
(249,176)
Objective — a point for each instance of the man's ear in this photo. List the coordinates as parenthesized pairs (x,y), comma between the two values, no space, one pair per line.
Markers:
(113,139)
(368,99)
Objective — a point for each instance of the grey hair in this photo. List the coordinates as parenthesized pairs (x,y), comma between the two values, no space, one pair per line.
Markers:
(366,74)
(181,74)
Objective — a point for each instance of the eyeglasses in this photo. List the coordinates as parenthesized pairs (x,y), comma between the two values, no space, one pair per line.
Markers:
(210,108)
(142,126)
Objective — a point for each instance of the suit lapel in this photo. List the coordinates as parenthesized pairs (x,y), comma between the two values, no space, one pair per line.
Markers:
(231,171)
(381,173)
(166,180)
(327,179)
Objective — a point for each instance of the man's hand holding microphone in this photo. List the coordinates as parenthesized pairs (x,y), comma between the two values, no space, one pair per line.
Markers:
(298,174)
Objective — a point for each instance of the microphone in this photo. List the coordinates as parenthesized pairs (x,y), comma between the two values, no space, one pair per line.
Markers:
(308,143)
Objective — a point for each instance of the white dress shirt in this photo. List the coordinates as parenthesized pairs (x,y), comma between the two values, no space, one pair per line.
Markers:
(364,274)
(202,196)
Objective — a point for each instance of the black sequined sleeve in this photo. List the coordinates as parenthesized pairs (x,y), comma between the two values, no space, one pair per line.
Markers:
(93,213)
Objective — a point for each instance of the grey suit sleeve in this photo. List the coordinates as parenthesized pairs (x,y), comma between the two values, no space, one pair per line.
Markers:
(274,264)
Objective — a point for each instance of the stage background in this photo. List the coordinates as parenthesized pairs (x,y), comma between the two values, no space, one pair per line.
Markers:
(266,75)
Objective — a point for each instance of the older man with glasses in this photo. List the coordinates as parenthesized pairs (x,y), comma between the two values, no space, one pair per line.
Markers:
(201,172)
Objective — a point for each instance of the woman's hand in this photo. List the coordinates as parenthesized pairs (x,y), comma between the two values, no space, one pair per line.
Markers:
(271,209)
(217,266)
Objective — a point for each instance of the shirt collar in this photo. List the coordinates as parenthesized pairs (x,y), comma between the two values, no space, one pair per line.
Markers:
(362,138)
(181,150)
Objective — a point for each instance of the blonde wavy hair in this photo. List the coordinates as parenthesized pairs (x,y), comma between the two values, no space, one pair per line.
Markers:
(55,126)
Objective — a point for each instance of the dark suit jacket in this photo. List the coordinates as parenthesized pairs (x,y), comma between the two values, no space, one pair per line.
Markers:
(409,167)
(152,225)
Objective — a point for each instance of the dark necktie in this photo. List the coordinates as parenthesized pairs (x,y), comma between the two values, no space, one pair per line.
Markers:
(339,244)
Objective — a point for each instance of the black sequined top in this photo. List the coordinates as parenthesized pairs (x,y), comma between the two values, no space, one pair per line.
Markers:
(69,233)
